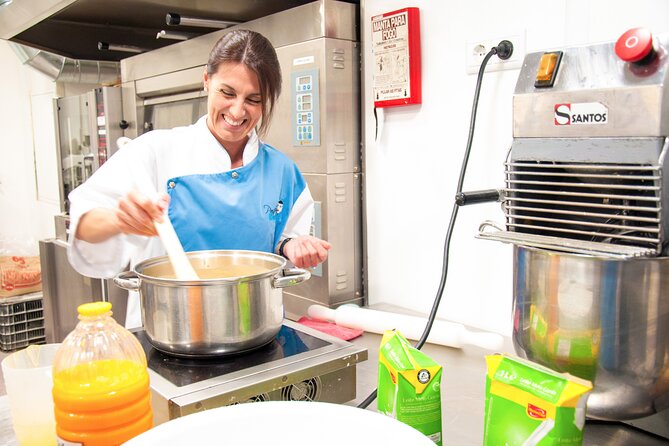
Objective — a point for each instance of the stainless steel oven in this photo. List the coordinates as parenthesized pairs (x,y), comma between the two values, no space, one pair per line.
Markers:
(87,127)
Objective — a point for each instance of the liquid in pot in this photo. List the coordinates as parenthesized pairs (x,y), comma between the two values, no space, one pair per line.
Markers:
(218,272)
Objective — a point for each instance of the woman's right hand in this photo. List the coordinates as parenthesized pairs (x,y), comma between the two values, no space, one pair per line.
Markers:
(135,214)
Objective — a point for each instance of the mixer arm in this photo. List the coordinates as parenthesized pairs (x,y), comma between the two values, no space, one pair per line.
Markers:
(479,196)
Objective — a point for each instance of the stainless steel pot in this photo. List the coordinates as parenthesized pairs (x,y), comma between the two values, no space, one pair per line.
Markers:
(601,319)
(236,306)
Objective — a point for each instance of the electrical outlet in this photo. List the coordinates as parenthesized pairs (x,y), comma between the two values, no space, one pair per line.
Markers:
(476,51)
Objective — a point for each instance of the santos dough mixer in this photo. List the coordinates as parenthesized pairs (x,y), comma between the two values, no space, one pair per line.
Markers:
(586,187)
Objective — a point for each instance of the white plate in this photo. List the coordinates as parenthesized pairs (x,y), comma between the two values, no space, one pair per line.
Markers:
(293,423)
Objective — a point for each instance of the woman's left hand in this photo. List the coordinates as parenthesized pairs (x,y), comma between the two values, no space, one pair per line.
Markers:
(306,251)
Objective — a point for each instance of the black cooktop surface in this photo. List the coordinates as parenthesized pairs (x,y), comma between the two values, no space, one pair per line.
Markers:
(184,371)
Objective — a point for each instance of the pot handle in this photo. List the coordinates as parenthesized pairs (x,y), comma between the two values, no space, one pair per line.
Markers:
(127,280)
(290,277)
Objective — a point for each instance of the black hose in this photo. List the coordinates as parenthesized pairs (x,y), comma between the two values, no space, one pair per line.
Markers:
(503,49)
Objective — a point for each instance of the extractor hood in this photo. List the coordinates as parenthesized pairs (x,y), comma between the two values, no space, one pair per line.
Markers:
(73,28)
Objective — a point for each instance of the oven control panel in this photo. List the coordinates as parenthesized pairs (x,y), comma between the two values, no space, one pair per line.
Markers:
(305,108)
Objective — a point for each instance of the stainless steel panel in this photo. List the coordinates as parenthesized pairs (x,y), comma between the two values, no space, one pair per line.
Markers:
(64,289)
(323,18)
(636,100)
(190,79)
(589,150)
(634,111)
(338,65)
(62,223)
(22,15)
(335,387)
(657,424)
(41,23)
(340,280)
(130,109)
(178,97)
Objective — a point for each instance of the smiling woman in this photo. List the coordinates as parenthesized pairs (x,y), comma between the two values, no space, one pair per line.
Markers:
(234,106)
(216,178)
(256,54)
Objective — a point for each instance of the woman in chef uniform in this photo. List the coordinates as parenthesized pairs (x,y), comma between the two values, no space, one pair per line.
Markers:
(221,186)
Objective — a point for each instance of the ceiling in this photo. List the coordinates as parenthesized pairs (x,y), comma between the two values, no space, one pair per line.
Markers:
(73,28)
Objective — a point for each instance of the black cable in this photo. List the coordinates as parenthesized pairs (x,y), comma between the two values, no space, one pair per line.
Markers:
(503,50)
(454,212)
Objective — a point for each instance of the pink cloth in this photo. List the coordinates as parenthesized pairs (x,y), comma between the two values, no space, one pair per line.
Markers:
(331,328)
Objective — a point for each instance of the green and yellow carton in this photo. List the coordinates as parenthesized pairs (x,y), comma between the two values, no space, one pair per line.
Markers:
(409,385)
(531,405)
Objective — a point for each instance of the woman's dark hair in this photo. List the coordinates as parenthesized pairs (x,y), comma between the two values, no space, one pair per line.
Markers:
(257,53)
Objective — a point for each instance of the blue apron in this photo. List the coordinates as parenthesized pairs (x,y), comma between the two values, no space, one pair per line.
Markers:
(245,208)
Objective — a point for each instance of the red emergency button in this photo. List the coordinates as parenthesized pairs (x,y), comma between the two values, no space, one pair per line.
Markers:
(635,45)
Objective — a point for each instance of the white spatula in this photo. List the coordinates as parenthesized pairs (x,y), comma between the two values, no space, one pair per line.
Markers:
(183,269)
(180,263)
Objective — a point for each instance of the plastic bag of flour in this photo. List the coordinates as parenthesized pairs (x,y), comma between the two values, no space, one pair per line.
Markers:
(409,385)
(528,404)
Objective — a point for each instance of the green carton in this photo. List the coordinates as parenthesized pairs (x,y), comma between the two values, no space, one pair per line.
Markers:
(531,405)
(409,385)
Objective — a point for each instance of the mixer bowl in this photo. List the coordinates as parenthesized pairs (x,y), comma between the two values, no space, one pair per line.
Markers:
(602,319)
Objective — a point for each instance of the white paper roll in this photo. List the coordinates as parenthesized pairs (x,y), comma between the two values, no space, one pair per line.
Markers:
(446,333)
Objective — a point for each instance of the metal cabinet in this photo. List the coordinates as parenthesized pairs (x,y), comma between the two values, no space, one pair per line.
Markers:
(64,289)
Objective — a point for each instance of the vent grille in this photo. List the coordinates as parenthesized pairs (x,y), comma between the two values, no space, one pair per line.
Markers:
(308,390)
(603,203)
(254,399)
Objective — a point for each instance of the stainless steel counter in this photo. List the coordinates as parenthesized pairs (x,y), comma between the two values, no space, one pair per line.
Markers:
(463,397)
(7,437)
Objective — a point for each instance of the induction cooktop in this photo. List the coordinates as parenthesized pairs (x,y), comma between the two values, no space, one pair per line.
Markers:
(184,371)
(299,364)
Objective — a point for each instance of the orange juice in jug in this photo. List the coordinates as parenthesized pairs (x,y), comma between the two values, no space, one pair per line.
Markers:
(101,384)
